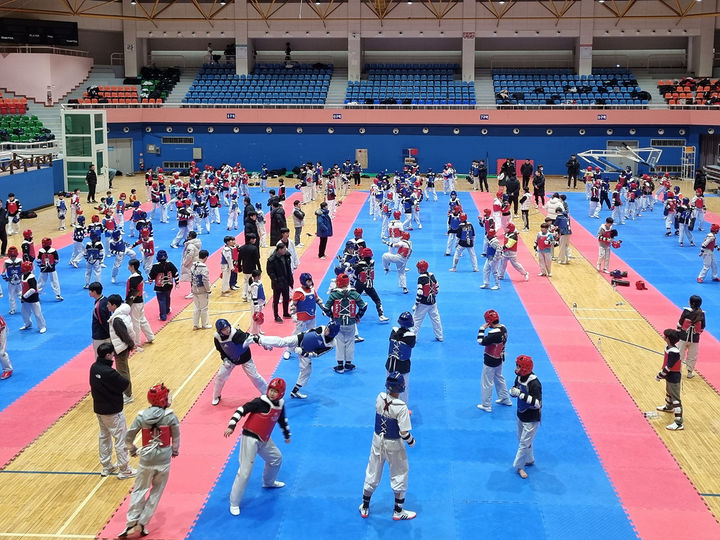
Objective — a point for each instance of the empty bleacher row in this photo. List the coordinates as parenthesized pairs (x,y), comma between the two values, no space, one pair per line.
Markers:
(690,91)
(12,105)
(562,86)
(269,84)
(411,84)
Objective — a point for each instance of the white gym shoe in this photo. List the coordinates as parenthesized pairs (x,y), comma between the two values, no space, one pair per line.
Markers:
(527,276)
(675,427)
(216,400)
(235,510)
(484,408)
(383,318)
(507,402)
(286,355)
(364,511)
(690,374)
(298,395)
(276,484)
(404,515)
(494,287)
(128,399)
(107,471)
(127,473)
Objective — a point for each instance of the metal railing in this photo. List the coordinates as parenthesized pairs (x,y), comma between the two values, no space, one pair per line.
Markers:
(47,49)
(29,148)
(335,106)
(530,62)
(166,60)
(117,59)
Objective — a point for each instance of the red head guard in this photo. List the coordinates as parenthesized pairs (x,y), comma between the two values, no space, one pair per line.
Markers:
(491,316)
(159,396)
(12,252)
(524,365)
(589,168)
(46,242)
(279,385)
(27,234)
(699,191)
(463,217)
(487,212)
(366,253)
(358,232)
(422,266)
(396,214)
(457,209)
(123,196)
(342,280)
(510,227)
(95,218)
(26,267)
(145,233)
(714,228)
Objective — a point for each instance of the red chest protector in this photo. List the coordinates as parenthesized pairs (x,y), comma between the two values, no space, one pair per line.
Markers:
(404,250)
(543,242)
(148,247)
(159,434)
(12,207)
(262,424)
(605,237)
(699,202)
(676,368)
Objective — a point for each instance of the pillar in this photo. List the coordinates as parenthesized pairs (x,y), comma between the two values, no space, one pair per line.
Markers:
(468,40)
(244,46)
(131,51)
(700,48)
(584,42)
(354,41)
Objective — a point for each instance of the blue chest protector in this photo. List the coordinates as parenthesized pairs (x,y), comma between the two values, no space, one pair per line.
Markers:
(233,351)
(117,247)
(312,341)
(78,234)
(388,427)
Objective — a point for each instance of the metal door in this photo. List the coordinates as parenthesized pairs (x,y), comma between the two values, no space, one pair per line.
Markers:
(361,154)
(120,155)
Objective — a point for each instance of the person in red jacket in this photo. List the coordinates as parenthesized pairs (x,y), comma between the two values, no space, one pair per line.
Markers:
(263,413)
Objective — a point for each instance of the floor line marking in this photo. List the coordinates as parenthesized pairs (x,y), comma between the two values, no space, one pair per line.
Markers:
(89,473)
(90,495)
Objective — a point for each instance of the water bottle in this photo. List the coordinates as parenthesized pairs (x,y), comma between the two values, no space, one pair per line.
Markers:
(651,414)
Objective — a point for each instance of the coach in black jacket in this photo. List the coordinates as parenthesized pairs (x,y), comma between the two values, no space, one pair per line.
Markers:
(107,387)
(281,277)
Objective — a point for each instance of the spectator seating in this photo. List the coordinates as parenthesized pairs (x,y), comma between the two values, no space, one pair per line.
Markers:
(269,84)
(113,94)
(561,87)
(157,83)
(690,91)
(411,84)
(15,105)
(23,128)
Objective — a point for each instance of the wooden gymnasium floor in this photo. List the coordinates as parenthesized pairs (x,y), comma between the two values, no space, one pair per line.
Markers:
(47,505)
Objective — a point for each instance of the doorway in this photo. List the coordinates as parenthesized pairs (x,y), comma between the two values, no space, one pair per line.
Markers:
(120,155)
